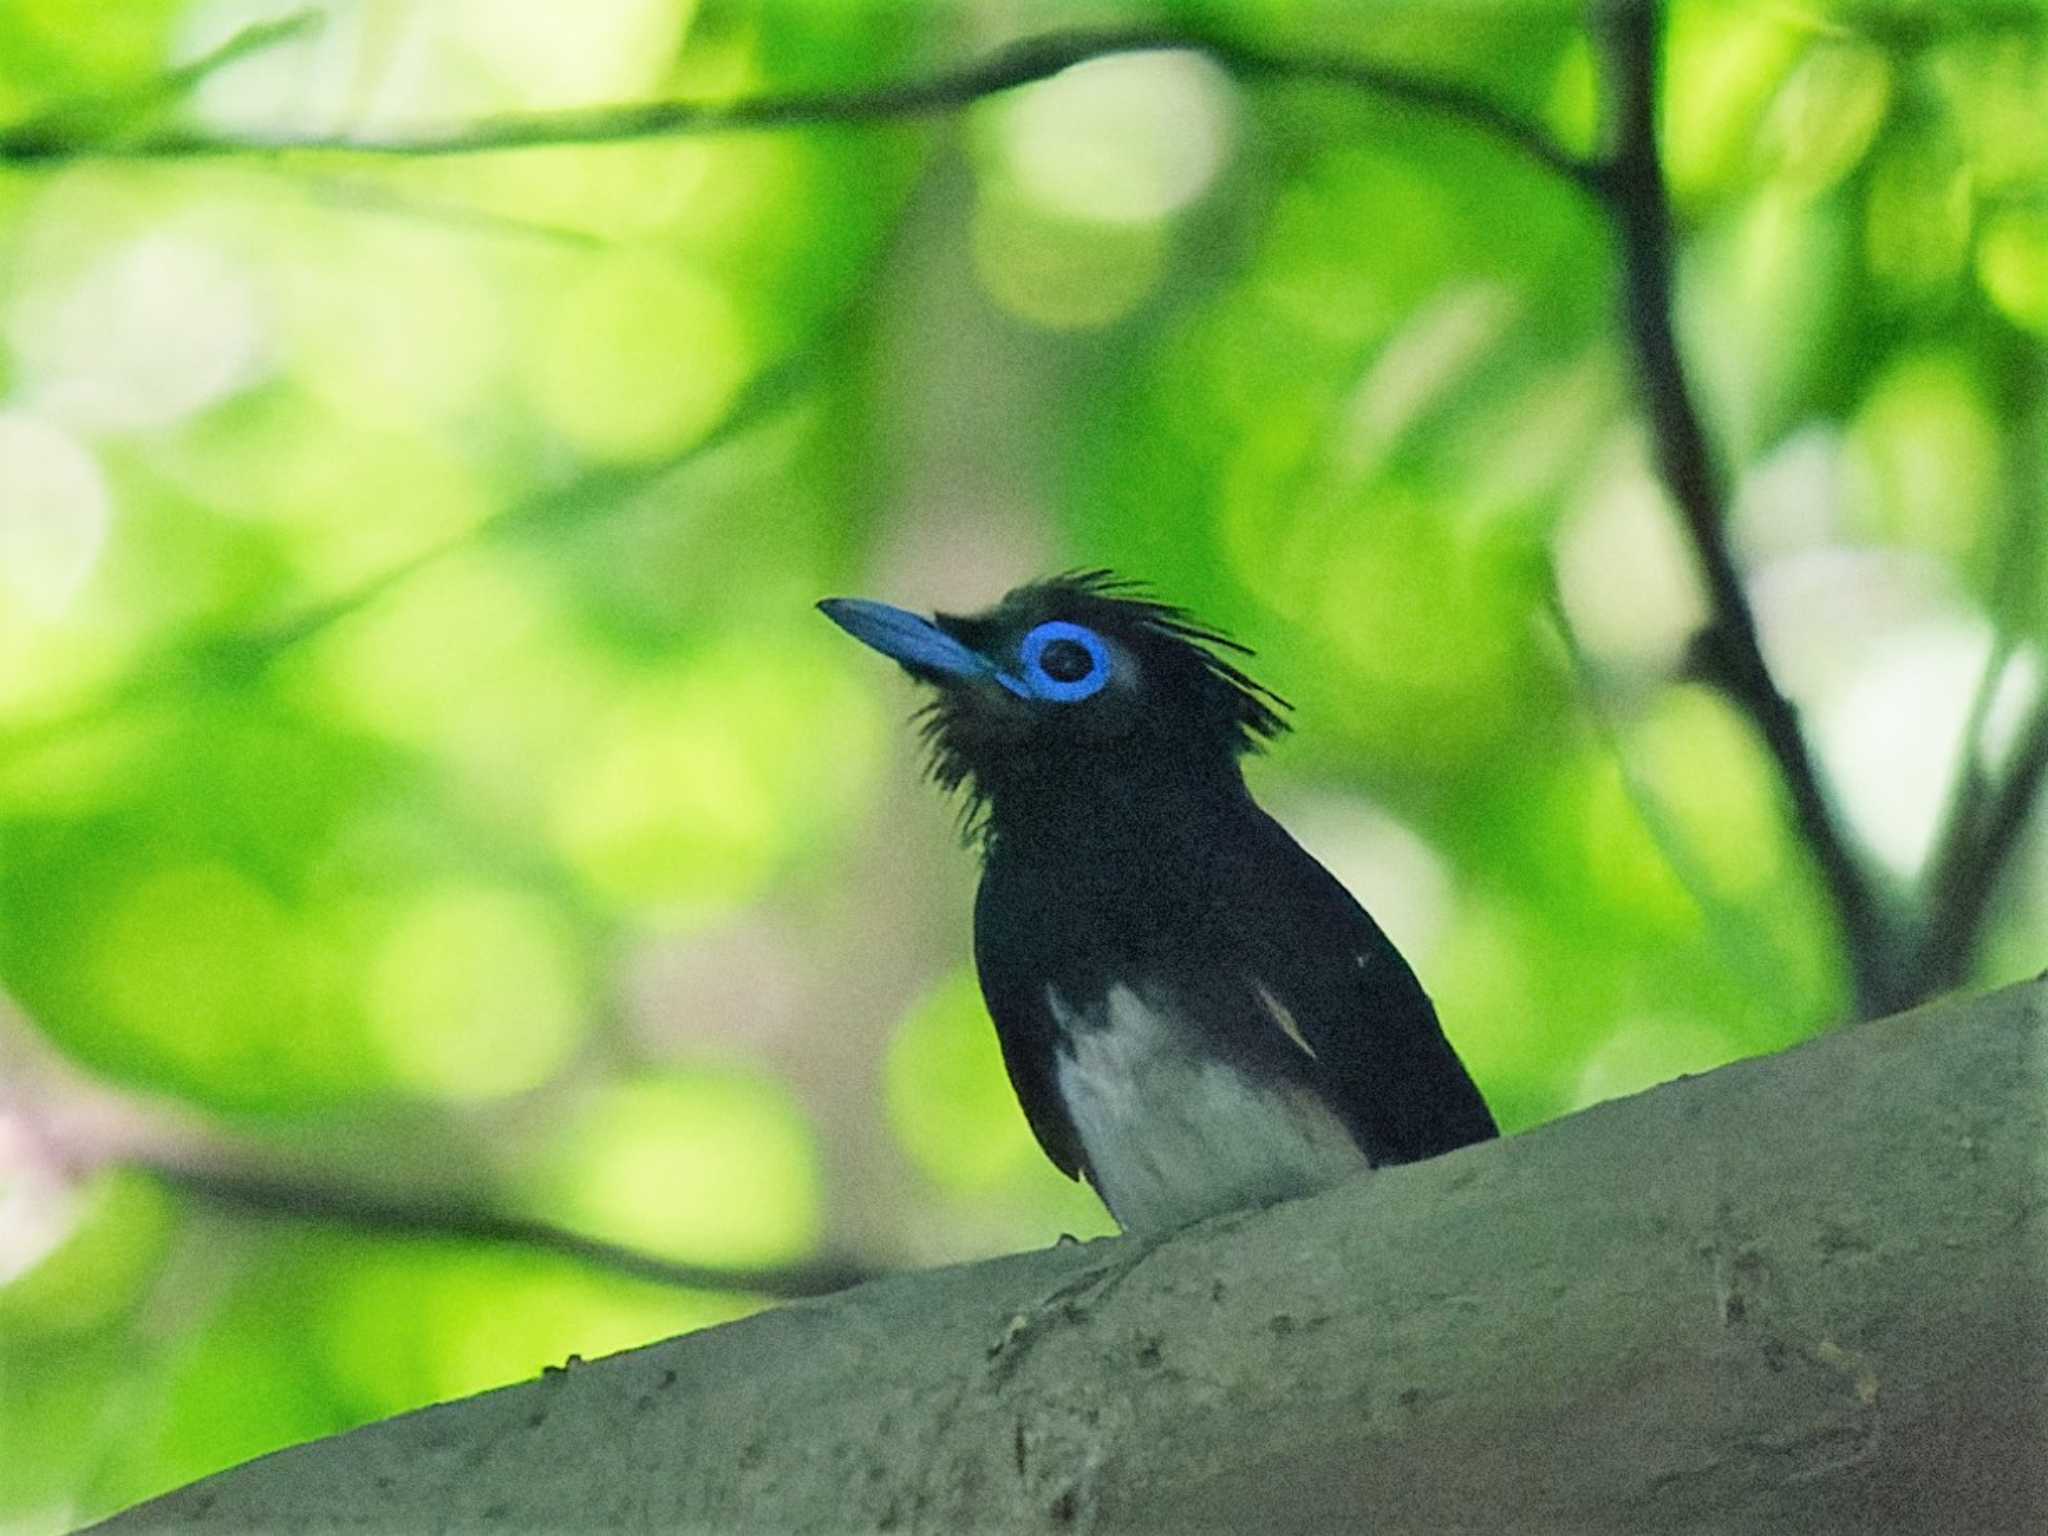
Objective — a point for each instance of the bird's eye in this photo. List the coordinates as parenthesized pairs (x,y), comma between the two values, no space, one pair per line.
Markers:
(1063,662)
(1066,661)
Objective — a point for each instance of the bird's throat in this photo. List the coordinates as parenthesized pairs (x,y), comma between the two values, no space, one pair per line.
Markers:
(1115,807)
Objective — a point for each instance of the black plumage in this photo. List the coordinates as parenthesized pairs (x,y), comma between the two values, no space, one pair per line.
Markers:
(1195,1014)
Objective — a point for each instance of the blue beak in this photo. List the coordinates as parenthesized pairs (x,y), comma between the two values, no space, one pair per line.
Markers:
(917,643)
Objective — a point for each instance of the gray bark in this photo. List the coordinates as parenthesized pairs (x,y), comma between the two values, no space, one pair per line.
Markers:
(1801,1293)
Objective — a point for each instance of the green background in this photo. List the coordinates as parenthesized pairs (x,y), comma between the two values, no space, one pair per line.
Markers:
(423,775)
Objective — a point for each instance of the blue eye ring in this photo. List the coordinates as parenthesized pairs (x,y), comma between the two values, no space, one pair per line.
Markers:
(1037,683)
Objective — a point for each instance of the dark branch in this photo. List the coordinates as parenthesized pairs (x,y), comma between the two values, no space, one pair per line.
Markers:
(1443,97)
(270,1196)
(949,91)
(2003,824)
(1959,901)
(1632,183)
(78,1126)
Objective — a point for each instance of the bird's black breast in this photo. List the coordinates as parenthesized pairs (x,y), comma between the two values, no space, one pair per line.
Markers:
(1215,966)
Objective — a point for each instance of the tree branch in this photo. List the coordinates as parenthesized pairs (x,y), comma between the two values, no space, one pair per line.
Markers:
(1632,187)
(1815,1309)
(1960,890)
(1021,63)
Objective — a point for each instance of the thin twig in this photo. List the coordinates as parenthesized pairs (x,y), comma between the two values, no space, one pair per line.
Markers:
(1984,822)
(1633,188)
(358,194)
(71,129)
(273,1196)
(255,38)
(948,91)
(1731,930)
(1956,914)
(1963,818)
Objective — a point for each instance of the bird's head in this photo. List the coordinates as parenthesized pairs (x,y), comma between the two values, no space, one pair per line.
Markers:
(1069,690)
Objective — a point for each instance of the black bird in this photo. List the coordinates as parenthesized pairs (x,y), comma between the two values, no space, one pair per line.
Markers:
(1195,1015)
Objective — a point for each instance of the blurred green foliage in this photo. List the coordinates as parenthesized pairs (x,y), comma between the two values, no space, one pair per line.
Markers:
(419,761)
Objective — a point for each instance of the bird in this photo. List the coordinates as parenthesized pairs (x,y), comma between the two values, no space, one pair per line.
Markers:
(1196,1016)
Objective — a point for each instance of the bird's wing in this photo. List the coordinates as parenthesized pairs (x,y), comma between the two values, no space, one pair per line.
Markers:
(1015,993)
(1326,976)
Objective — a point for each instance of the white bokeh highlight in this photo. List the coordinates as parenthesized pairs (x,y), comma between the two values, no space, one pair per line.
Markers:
(1628,581)
(152,332)
(1124,140)
(365,70)
(55,512)
(39,1201)
(1892,735)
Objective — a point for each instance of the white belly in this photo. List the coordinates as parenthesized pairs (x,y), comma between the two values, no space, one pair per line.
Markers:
(1170,1140)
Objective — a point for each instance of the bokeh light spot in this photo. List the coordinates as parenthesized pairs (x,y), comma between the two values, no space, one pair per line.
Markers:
(72,1256)
(1622,851)
(474,660)
(707,1168)
(153,332)
(2012,265)
(1437,351)
(1486,992)
(950,1102)
(1756,299)
(1420,610)
(385,326)
(1824,119)
(1121,140)
(1061,273)
(551,55)
(311,80)
(638,357)
(39,1201)
(1891,736)
(55,510)
(1916,227)
(1643,1052)
(205,967)
(1721,66)
(1572,107)
(474,993)
(1625,523)
(1710,776)
(701,783)
(403,1326)
(1928,448)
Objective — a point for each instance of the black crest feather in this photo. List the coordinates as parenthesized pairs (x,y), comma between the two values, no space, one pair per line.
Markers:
(1130,603)
(1205,702)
